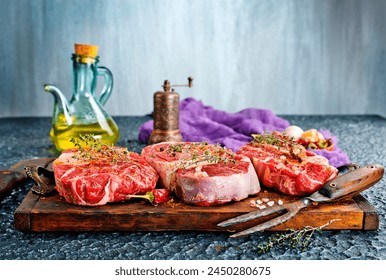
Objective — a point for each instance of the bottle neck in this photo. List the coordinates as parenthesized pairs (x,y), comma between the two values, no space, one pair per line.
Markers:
(84,75)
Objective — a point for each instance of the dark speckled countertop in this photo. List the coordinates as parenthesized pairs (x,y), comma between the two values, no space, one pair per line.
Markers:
(361,137)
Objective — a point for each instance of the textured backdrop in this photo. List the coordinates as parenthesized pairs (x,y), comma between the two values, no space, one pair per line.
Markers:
(293,57)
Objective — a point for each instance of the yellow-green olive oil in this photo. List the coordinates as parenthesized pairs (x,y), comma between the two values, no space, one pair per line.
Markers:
(61,134)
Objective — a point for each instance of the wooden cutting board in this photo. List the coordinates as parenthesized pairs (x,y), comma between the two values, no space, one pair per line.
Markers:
(54,214)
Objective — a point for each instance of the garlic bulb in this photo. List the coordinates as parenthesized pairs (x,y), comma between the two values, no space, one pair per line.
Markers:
(293,132)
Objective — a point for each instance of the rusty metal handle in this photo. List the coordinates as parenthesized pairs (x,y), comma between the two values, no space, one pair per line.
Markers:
(44,179)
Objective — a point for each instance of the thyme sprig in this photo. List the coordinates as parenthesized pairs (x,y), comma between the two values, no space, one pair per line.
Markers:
(87,140)
(202,159)
(199,154)
(284,143)
(91,148)
(293,238)
(272,138)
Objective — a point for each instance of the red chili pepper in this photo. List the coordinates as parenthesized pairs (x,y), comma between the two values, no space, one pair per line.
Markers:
(161,195)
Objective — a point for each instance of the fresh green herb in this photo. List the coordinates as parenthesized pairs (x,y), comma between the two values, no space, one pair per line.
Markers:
(289,147)
(293,238)
(199,153)
(175,148)
(149,196)
(92,148)
(194,156)
(272,138)
(87,140)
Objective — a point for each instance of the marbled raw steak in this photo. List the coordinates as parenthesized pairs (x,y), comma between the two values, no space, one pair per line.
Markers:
(202,174)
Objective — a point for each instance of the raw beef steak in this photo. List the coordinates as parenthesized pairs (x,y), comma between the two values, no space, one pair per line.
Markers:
(202,174)
(92,177)
(286,166)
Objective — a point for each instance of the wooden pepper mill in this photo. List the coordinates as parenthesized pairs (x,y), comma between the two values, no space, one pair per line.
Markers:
(166,114)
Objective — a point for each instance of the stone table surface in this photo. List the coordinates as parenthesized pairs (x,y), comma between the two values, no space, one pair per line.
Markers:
(361,137)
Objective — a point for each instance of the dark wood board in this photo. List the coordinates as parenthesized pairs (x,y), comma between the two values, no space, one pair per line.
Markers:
(54,214)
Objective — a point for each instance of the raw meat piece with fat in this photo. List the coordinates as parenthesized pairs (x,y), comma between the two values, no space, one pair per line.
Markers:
(96,178)
(202,174)
(287,166)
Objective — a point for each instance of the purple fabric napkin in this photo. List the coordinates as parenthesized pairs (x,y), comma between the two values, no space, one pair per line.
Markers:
(204,123)
(336,157)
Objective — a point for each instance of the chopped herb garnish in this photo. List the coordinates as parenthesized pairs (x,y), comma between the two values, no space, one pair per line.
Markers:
(199,153)
(280,140)
(175,148)
(91,148)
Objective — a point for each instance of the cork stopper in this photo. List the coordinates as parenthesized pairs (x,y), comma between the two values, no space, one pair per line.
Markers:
(86,50)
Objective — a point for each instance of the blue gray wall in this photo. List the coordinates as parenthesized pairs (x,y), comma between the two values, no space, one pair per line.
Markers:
(290,56)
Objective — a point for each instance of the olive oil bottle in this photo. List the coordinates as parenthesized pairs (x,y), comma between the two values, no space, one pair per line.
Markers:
(83,113)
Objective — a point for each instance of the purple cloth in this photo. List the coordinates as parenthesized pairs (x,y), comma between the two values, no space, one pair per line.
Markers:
(336,157)
(204,123)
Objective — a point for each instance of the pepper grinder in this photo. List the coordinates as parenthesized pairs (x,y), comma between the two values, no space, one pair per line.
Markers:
(166,114)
